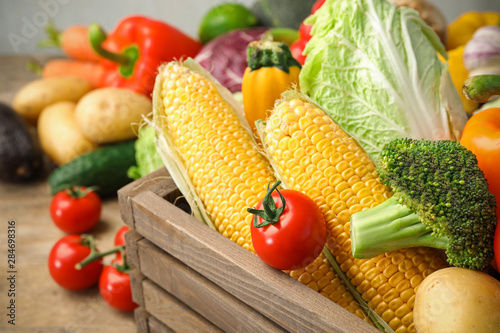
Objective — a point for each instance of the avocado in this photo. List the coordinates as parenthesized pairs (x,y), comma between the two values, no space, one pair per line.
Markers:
(20,157)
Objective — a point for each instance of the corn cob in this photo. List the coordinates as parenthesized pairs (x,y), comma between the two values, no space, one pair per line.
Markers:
(314,155)
(227,171)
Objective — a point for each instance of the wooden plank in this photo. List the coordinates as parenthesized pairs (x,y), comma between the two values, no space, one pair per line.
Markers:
(200,294)
(156,326)
(156,180)
(131,240)
(289,303)
(172,312)
(141,320)
(136,279)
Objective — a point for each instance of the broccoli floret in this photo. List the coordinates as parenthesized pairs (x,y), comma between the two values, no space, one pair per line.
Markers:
(441,200)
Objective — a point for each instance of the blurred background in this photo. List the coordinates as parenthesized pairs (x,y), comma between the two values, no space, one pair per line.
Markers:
(22,21)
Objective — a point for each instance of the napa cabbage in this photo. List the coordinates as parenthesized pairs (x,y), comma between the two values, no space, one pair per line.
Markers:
(375,69)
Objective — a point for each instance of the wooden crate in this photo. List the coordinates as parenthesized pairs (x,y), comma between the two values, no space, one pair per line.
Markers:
(189,278)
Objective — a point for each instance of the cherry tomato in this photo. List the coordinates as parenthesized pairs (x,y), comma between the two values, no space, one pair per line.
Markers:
(115,289)
(296,238)
(120,240)
(65,254)
(120,235)
(76,210)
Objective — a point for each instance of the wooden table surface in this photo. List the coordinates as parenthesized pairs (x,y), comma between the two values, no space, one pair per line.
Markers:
(41,305)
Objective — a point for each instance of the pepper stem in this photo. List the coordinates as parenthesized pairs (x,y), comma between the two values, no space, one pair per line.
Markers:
(268,53)
(94,254)
(480,88)
(97,36)
(270,214)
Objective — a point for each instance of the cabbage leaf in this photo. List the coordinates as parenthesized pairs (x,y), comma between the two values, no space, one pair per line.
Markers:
(375,69)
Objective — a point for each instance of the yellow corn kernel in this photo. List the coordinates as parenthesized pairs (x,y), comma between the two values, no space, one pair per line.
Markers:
(211,139)
(228,173)
(344,179)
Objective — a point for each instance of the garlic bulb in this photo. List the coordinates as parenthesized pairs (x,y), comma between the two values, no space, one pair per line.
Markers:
(482,52)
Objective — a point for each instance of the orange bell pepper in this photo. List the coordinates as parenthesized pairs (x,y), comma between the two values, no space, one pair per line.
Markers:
(481,135)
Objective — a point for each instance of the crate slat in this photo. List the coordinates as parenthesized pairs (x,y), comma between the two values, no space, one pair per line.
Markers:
(172,312)
(158,182)
(131,240)
(200,294)
(136,278)
(289,303)
(156,326)
(146,323)
(141,317)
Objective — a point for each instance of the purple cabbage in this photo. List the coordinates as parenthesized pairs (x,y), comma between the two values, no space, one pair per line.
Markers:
(225,56)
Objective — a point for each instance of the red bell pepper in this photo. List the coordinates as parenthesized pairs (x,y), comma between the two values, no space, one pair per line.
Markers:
(132,53)
(297,48)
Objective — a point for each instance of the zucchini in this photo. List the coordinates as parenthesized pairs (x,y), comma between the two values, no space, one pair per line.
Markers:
(104,168)
(20,157)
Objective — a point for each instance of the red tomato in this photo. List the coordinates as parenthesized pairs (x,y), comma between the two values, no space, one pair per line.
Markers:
(76,210)
(66,253)
(115,289)
(120,235)
(297,238)
(120,240)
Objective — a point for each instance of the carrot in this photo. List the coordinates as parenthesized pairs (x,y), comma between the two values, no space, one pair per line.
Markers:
(73,41)
(88,70)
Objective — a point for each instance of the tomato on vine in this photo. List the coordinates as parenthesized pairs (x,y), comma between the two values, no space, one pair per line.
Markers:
(115,288)
(120,240)
(288,230)
(76,210)
(64,257)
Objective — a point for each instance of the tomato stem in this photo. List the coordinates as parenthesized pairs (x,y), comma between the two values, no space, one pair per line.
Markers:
(270,214)
(80,191)
(94,254)
(124,267)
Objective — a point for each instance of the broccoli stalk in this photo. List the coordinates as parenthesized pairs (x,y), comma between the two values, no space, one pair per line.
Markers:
(390,226)
(441,200)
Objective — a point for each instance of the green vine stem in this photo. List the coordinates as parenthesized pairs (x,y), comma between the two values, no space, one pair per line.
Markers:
(95,255)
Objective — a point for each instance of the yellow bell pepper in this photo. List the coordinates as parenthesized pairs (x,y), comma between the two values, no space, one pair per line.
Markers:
(461,30)
(271,70)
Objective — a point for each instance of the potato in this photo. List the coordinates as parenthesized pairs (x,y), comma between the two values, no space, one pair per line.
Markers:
(457,300)
(31,99)
(60,138)
(110,115)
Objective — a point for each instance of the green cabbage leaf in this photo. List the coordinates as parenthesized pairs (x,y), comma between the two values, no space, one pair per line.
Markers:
(146,156)
(375,69)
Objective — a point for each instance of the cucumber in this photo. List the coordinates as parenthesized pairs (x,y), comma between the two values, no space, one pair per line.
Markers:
(104,168)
